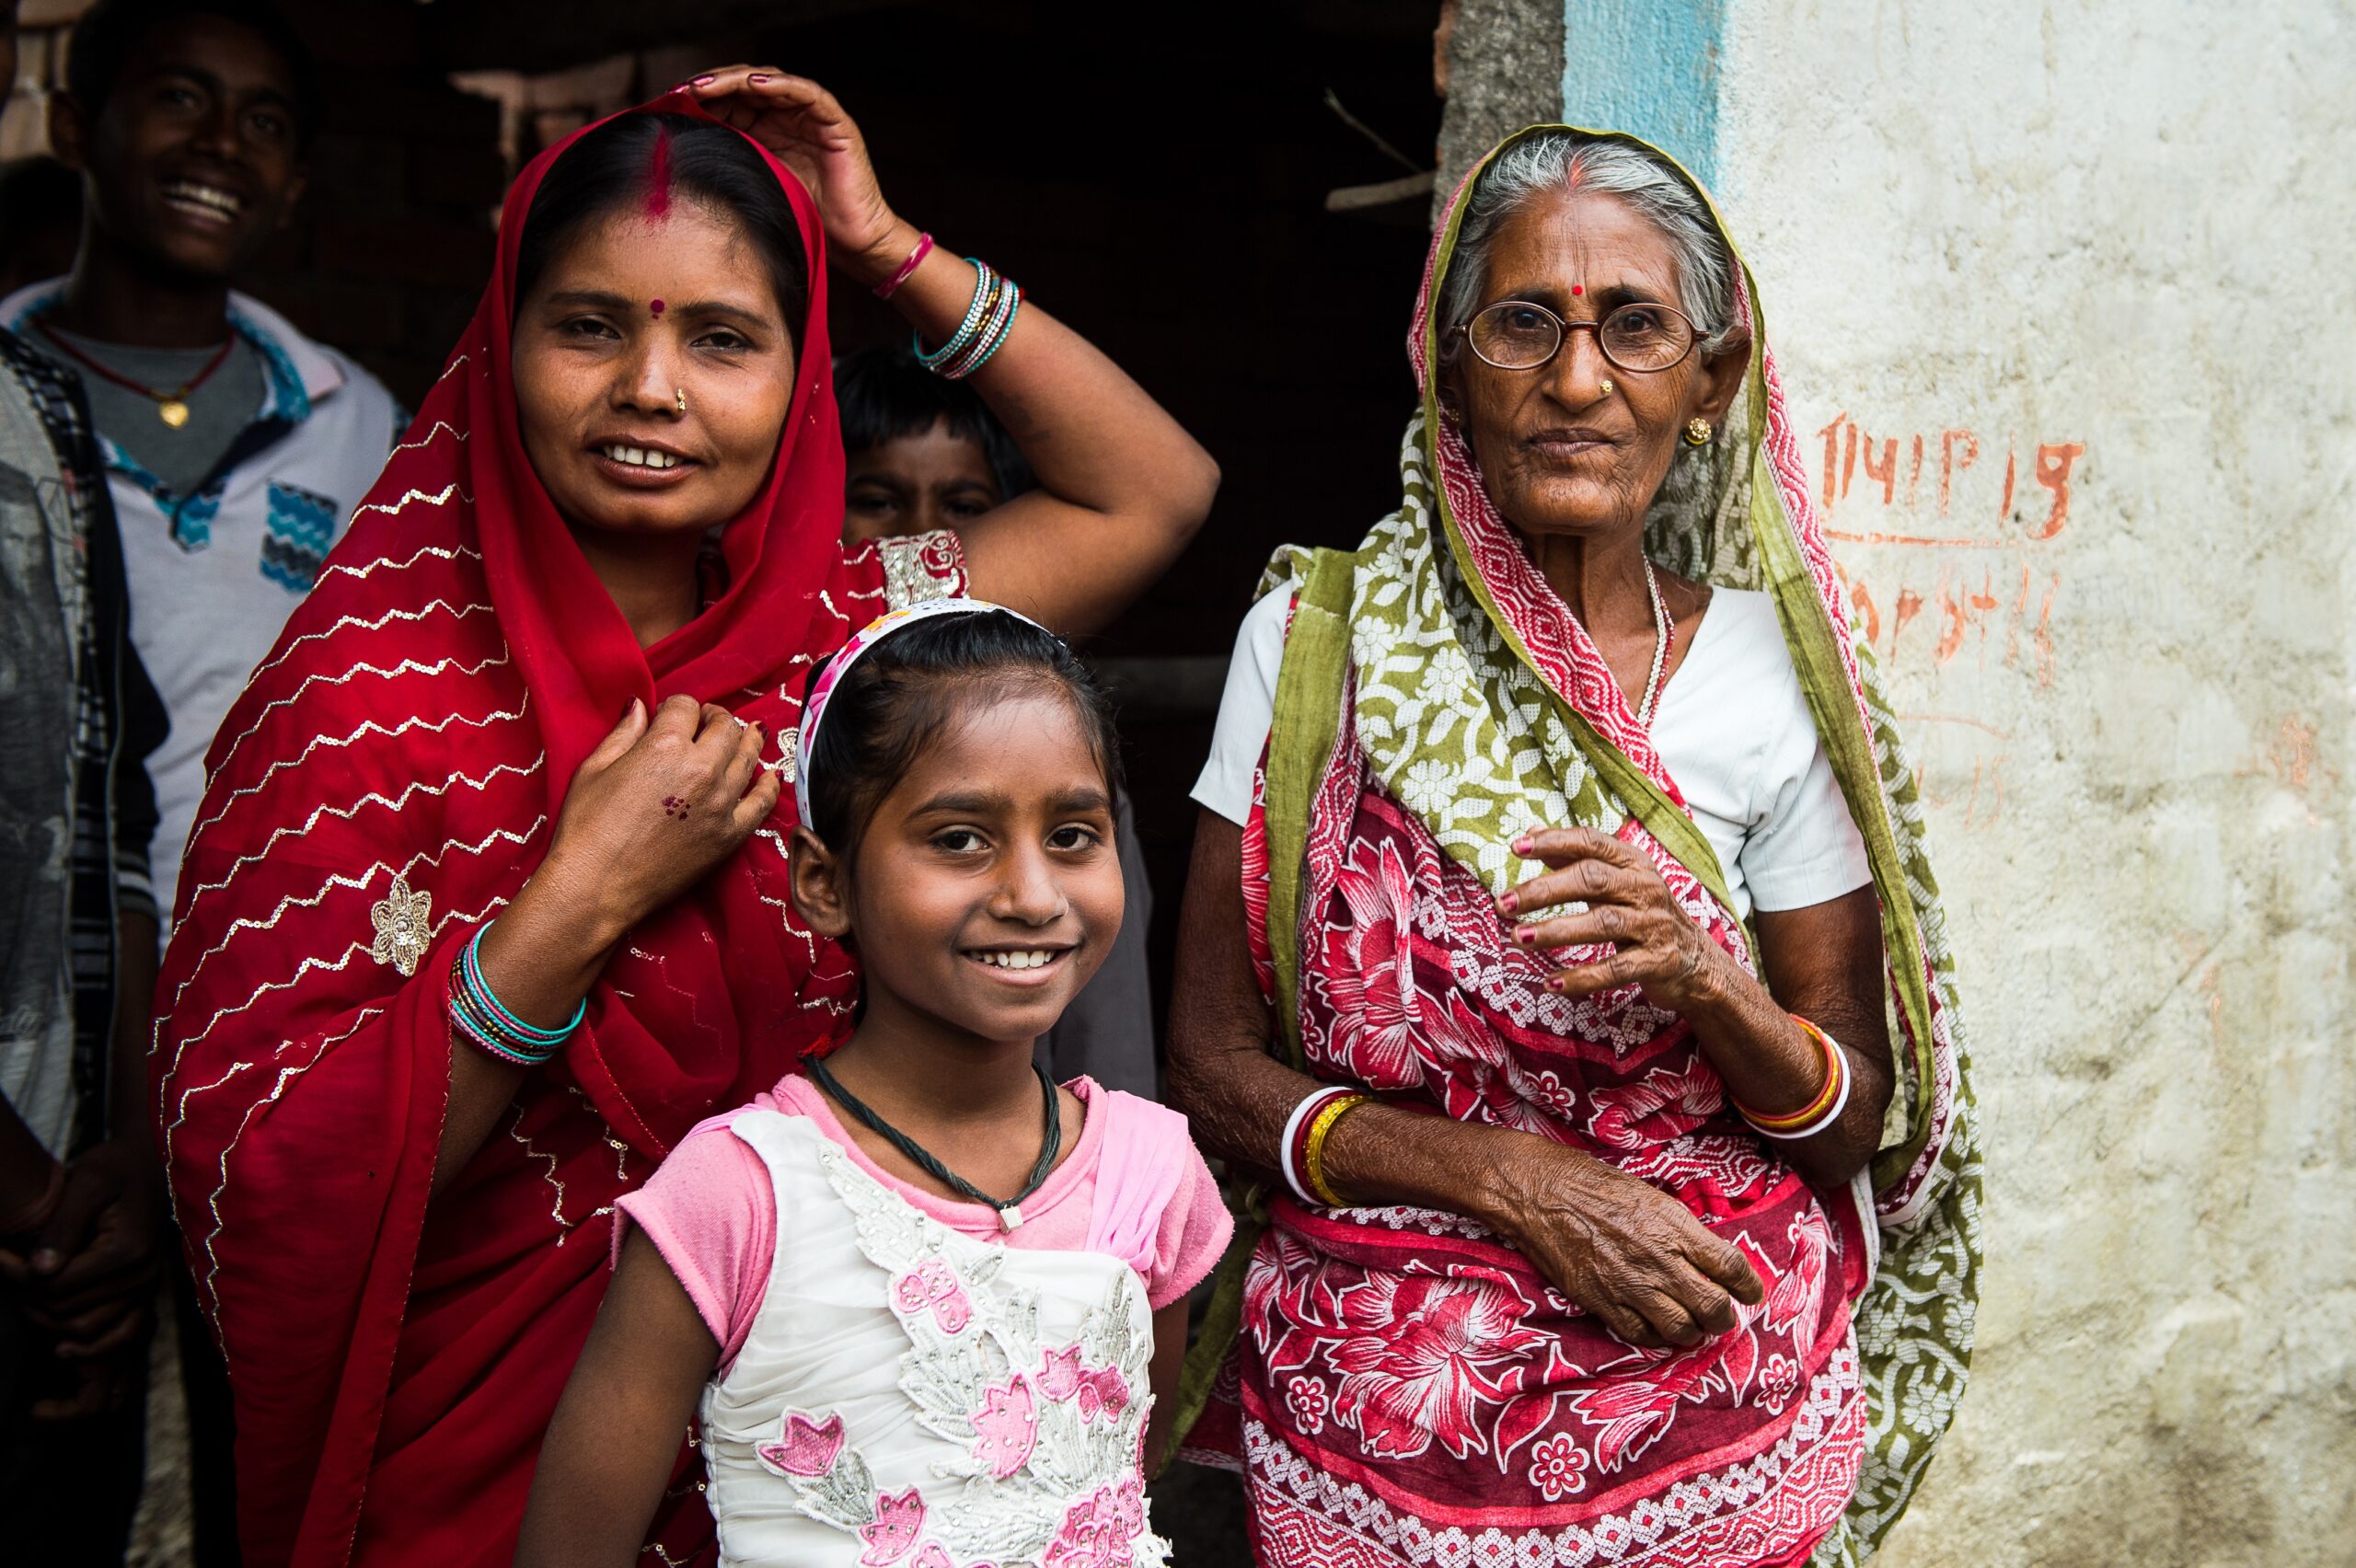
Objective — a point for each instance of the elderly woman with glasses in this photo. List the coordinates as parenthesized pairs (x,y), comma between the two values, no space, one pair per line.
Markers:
(1561,952)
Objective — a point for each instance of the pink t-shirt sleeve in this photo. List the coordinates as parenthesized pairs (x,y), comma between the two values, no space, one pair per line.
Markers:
(1194,1231)
(711,1210)
(1155,1204)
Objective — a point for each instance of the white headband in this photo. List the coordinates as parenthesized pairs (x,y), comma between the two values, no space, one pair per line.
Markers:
(839,665)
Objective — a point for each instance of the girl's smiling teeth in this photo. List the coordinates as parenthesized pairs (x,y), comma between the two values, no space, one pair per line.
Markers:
(1034,958)
(642,457)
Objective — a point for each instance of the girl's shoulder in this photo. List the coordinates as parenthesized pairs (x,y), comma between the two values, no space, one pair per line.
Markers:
(710,1151)
(1156,1204)
(711,1210)
(1131,1119)
(788,1099)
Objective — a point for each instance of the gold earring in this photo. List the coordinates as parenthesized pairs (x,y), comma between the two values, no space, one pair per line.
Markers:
(1603,388)
(683,398)
(1697,431)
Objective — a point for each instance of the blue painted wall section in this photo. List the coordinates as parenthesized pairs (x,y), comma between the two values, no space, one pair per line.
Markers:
(1649,67)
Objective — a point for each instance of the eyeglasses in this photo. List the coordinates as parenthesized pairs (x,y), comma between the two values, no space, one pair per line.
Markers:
(1514,334)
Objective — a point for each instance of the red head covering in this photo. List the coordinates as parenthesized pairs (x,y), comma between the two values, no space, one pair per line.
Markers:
(579,658)
(386,782)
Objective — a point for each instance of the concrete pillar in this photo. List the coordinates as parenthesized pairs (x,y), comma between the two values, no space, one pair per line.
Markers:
(1504,70)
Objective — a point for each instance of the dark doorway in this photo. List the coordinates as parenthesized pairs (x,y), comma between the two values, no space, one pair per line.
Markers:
(1159,177)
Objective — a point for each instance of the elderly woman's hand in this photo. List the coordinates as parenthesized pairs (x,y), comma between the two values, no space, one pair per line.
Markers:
(1655,944)
(806,130)
(1623,1249)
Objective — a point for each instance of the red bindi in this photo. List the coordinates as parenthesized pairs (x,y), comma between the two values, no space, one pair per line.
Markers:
(654,307)
(1576,290)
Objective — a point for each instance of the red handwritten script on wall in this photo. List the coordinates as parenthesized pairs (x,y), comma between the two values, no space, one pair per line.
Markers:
(1951,555)
(1955,453)
(1951,568)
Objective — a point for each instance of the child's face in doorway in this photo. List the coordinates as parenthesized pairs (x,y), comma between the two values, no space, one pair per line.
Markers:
(915,484)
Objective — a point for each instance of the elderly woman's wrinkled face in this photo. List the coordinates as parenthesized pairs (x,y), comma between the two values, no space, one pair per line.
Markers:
(1558,454)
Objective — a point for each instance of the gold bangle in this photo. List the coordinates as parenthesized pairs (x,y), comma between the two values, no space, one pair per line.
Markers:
(1833,1068)
(1313,1147)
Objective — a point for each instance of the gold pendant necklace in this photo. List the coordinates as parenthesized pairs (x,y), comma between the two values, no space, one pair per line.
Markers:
(170,406)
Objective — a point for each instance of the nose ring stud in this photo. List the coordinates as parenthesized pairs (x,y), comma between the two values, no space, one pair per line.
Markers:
(683,398)
(1604,386)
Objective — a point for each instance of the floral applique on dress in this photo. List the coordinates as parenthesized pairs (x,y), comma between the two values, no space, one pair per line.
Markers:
(403,929)
(1033,1442)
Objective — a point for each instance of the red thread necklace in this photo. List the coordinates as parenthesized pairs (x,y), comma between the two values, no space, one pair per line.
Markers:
(171,407)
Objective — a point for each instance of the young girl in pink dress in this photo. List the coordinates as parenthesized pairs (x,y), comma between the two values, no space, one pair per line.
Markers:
(922,1304)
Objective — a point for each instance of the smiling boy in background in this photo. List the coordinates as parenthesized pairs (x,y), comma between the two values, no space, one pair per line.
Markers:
(235,448)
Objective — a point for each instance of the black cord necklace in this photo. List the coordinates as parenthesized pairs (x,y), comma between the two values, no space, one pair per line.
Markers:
(1009,1211)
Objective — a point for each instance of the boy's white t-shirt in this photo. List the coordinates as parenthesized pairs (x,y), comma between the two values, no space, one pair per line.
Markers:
(1733,729)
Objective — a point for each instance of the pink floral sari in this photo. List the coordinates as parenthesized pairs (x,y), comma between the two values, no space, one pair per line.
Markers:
(1406,1388)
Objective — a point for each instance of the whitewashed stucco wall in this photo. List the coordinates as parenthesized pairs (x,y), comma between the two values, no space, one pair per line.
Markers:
(2113,236)
(2118,228)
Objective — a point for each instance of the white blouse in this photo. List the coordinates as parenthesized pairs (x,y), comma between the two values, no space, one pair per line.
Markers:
(1733,729)
(911,1395)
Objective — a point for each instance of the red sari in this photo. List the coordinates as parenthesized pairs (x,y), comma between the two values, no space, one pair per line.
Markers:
(390,777)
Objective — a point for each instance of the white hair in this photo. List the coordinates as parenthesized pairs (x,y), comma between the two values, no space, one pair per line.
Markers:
(1560,160)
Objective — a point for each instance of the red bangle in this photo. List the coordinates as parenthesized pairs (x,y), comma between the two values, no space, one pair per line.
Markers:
(890,285)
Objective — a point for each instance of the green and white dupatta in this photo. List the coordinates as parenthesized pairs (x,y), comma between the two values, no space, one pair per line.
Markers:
(1483,710)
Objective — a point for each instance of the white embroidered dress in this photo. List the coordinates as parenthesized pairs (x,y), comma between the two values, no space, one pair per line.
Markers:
(911,1397)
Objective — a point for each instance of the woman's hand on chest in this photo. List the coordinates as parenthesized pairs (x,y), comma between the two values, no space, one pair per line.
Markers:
(1824,961)
(1655,944)
(662,801)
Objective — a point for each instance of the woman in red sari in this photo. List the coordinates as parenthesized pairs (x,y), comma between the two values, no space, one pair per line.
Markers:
(539,694)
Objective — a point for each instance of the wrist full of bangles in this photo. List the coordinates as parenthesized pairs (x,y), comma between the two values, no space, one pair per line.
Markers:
(1819,1113)
(1300,1153)
(478,1015)
(989,321)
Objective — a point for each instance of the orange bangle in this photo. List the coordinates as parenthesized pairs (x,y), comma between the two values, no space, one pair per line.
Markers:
(1312,1157)
(1833,1076)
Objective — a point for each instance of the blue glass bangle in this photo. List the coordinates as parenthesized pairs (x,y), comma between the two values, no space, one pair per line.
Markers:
(983,357)
(984,294)
(472,1018)
(479,991)
(490,1044)
(931,359)
(468,1022)
(993,329)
